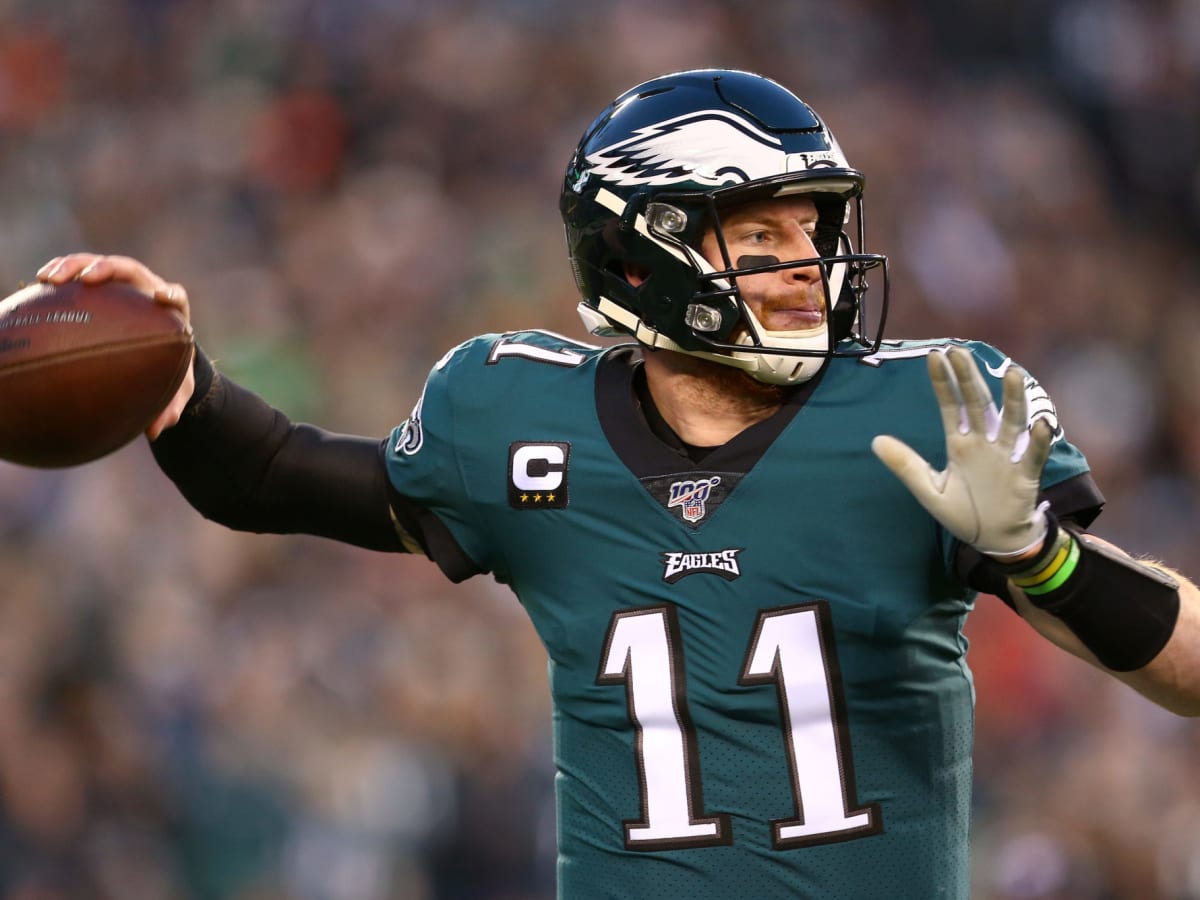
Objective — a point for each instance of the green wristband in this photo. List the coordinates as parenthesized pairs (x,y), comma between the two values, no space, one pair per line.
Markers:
(1059,577)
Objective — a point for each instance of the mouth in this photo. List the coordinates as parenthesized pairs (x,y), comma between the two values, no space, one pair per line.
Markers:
(793,318)
(788,323)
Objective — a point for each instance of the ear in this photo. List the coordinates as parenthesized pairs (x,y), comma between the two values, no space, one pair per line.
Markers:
(635,274)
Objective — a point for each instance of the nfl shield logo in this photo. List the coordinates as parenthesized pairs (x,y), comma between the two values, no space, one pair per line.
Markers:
(691,497)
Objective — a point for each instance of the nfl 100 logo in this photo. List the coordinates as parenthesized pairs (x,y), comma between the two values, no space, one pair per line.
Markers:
(692,496)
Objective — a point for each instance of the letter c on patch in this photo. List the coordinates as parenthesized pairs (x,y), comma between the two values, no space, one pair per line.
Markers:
(537,474)
(538,467)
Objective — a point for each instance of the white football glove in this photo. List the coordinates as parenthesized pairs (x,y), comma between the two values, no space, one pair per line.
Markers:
(987,496)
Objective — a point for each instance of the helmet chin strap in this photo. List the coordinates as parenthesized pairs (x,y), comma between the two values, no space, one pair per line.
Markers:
(779,368)
(761,365)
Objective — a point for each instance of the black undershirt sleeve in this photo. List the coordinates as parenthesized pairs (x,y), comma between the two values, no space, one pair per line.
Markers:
(245,465)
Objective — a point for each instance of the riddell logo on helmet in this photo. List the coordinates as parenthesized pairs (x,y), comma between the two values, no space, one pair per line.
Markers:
(799,162)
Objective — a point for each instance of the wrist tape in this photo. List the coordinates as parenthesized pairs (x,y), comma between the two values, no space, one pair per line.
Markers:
(1122,610)
(1051,568)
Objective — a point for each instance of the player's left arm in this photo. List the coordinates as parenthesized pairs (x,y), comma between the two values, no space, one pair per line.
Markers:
(1172,677)
(1135,619)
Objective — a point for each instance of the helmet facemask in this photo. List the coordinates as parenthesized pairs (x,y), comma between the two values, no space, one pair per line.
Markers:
(721,323)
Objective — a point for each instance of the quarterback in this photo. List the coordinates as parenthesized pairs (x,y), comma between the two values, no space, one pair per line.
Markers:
(748,537)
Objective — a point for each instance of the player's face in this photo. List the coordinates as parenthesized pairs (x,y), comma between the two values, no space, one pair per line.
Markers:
(769,231)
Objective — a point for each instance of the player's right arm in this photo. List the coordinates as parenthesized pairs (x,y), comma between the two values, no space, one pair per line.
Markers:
(244,464)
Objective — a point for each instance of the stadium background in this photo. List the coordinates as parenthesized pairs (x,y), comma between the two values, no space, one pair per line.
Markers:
(348,189)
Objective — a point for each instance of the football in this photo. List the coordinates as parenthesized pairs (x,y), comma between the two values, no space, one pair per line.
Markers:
(84,369)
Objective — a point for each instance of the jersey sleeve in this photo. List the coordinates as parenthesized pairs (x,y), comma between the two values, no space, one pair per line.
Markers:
(1066,463)
(430,495)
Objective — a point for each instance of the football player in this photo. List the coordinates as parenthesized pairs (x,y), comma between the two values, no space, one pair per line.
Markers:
(754,630)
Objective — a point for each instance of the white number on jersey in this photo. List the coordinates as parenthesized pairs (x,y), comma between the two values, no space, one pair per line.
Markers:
(507,347)
(792,648)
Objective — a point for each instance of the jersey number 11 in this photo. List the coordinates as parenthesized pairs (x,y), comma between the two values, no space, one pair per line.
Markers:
(792,648)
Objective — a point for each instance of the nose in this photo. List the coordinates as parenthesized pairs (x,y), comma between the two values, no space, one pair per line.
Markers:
(801,246)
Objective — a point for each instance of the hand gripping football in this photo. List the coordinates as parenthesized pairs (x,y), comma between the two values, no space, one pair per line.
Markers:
(84,369)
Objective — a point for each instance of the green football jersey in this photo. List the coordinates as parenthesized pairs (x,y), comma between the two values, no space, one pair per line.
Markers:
(757,662)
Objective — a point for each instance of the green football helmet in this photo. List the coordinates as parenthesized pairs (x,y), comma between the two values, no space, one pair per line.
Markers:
(653,173)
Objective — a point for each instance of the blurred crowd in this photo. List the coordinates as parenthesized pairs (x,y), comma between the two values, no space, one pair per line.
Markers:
(350,187)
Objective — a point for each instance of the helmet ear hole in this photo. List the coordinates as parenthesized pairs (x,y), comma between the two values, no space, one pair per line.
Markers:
(828,240)
(844,314)
(635,274)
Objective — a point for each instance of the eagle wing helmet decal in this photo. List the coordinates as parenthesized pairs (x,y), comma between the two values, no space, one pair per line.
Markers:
(695,147)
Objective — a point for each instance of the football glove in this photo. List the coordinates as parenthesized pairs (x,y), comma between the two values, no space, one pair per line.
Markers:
(987,496)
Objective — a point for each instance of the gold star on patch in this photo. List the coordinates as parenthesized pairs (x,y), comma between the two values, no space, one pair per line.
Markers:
(537,498)
(524,498)
(550,498)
